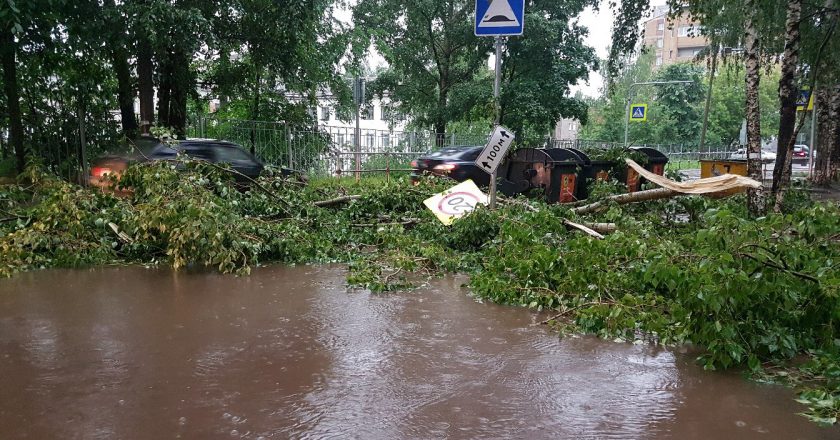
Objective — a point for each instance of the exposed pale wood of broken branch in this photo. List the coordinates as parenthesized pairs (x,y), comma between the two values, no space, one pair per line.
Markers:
(603,228)
(583,229)
(623,199)
(336,201)
(122,235)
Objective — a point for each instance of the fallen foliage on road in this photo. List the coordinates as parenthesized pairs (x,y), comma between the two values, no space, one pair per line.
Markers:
(759,293)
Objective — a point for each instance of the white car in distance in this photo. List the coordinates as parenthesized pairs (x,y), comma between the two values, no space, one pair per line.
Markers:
(741,154)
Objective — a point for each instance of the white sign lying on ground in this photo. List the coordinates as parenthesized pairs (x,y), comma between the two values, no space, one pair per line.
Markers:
(493,154)
(456,202)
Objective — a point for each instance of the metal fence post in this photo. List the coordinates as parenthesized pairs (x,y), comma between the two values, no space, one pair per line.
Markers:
(288,140)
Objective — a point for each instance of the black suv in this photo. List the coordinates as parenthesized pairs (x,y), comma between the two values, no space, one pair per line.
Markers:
(215,151)
(455,162)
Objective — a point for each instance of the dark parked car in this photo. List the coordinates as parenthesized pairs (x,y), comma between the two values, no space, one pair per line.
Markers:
(147,149)
(800,153)
(455,162)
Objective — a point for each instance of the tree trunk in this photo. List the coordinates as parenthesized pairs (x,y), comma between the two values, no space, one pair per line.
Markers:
(255,110)
(125,91)
(440,119)
(145,72)
(164,89)
(755,197)
(787,91)
(834,166)
(825,128)
(8,52)
(181,85)
(118,53)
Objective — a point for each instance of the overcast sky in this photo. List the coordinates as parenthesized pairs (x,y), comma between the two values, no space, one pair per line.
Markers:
(600,34)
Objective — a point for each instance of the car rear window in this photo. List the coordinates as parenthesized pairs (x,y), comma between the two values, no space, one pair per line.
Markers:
(471,154)
(231,154)
(201,152)
(450,152)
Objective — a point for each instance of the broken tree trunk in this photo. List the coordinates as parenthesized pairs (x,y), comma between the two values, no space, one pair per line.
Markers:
(336,201)
(623,199)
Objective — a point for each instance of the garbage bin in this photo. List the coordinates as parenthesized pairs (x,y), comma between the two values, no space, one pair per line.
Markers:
(554,170)
(655,163)
(592,171)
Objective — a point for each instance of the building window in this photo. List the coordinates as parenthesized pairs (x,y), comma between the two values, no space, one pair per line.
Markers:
(390,113)
(325,113)
(366,112)
(660,27)
(386,140)
(659,43)
(659,60)
(688,52)
(571,126)
(689,31)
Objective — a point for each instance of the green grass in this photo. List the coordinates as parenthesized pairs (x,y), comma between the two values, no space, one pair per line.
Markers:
(678,165)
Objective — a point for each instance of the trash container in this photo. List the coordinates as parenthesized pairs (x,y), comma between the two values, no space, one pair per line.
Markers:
(592,171)
(656,162)
(553,170)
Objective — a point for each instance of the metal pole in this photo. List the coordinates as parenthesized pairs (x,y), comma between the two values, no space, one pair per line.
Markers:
(83,144)
(497,86)
(813,146)
(708,101)
(627,114)
(357,145)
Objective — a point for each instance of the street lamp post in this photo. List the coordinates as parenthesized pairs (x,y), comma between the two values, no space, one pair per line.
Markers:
(726,50)
(630,100)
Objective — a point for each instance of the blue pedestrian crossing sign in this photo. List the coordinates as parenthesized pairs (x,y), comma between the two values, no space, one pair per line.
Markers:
(496,18)
(806,98)
(638,112)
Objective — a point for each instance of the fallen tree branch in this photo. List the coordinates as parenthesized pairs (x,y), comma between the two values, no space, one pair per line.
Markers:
(122,235)
(604,228)
(252,181)
(623,199)
(572,309)
(336,201)
(229,170)
(583,228)
(774,265)
(406,222)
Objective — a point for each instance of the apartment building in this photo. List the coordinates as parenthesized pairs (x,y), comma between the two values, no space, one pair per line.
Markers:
(672,40)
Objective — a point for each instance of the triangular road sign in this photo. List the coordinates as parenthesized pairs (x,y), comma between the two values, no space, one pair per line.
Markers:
(499,14)
(638,112)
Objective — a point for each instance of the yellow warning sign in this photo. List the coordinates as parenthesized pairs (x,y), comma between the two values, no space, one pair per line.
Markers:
(456,202)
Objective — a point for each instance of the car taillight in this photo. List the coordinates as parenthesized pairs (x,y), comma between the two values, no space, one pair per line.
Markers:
(100,171)
(445,167)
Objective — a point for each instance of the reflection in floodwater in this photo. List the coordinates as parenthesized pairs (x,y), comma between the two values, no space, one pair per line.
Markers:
(291,353)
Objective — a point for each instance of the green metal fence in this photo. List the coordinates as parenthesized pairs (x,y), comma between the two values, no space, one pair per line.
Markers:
(330,150)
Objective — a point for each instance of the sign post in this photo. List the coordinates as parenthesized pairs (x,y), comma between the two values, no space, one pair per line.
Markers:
(493,154)
(638,112)
(358,101)
(497,18)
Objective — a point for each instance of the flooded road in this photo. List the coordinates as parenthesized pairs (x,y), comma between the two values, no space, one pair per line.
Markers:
(135,353)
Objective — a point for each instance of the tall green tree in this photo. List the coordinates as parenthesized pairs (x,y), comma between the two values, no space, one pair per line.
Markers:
(437,66)
(263,52)
(19,21)
(430,50)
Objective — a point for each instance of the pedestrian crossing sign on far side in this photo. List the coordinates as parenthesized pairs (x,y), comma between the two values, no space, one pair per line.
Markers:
(638,112)
(499,17)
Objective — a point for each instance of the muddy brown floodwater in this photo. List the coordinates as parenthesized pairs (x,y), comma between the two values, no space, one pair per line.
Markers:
(135,353)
